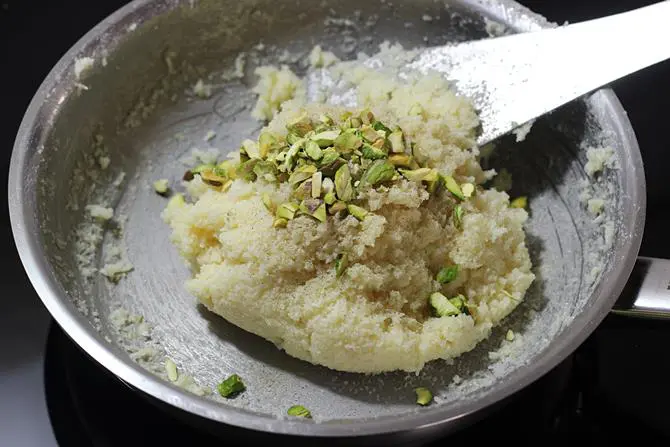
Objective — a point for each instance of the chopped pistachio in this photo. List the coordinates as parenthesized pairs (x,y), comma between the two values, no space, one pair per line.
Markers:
(325,119)
(459,302)
(226,186)
(372,153)
(251,148)
(403,160)
(396,142)
(279,223)
(309,206)
(211,178)
(452,186)
(347,142)
(171,370)
(246,170)
(458,216)
(423,396)
(367,117)
(293,138)
(329,198)
(442,306)
(519,202)
(418,175)
(161,186)
(313,150)
(328,156)
(299,411)
(369,134)
(291,153)
(231,387)
(343,187)
(356,211)
(379,126)
(300,126)
(301,174)
(509,336)
(265,170)
(203,167)
(468,189)
(320,213)
(226,169)
(356,122)
(447,274)
(327,185)
(337,207)
(341,264)
(325,139)
(378,172)
(316,184)
(267,201)
(287,210)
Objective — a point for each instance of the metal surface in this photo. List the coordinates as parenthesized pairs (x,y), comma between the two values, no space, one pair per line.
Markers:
(514,79)
(647,293)
(142,107)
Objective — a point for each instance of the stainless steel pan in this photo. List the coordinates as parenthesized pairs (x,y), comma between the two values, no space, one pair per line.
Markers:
(137,97)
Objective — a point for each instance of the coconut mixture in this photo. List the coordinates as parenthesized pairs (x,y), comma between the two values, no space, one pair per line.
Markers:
(357,237)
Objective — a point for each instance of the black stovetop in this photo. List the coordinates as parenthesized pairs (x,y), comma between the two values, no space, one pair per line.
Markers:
(614,387)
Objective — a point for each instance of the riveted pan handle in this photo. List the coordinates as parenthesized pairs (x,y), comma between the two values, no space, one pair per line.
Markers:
(647,293)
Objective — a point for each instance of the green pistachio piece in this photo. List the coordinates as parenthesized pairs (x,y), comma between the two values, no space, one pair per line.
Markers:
(367,117)
(293,138)
(441,305)
(226,169)
(329,198)
(231,387)
(418,175)
(343,187)
(372,153)
(267,201)
(287,210)
(378,125)
(211,178)
(299,411)
(460,302)
(328,156)
(452,186)
(251,149)
(300,126)
(447,274)
(337,207)
(325,119)
(204,167)
(245,170)
(313,150)
(347,141)
(369,134)
(423,396)
(280,222)
(316,184)
(468,189)
(320,213)
(266,142)
(301,174)
(161,186)
(356,122)
(327,185)
(519,202)
(403,160)
(266,170)
(379,171)
(325,139)
(356,211)
(396,142)
(291,154)
(458,216)
(341,264)
(309,206)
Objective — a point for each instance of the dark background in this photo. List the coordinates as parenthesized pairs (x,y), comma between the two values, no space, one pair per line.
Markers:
(35,34)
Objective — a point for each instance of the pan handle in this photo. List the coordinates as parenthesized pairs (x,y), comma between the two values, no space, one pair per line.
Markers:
(647,292)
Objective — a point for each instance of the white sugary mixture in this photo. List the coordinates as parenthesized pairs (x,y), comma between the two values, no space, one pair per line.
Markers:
(280,283)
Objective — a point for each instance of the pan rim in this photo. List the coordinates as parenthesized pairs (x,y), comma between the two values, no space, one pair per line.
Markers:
(24,226)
